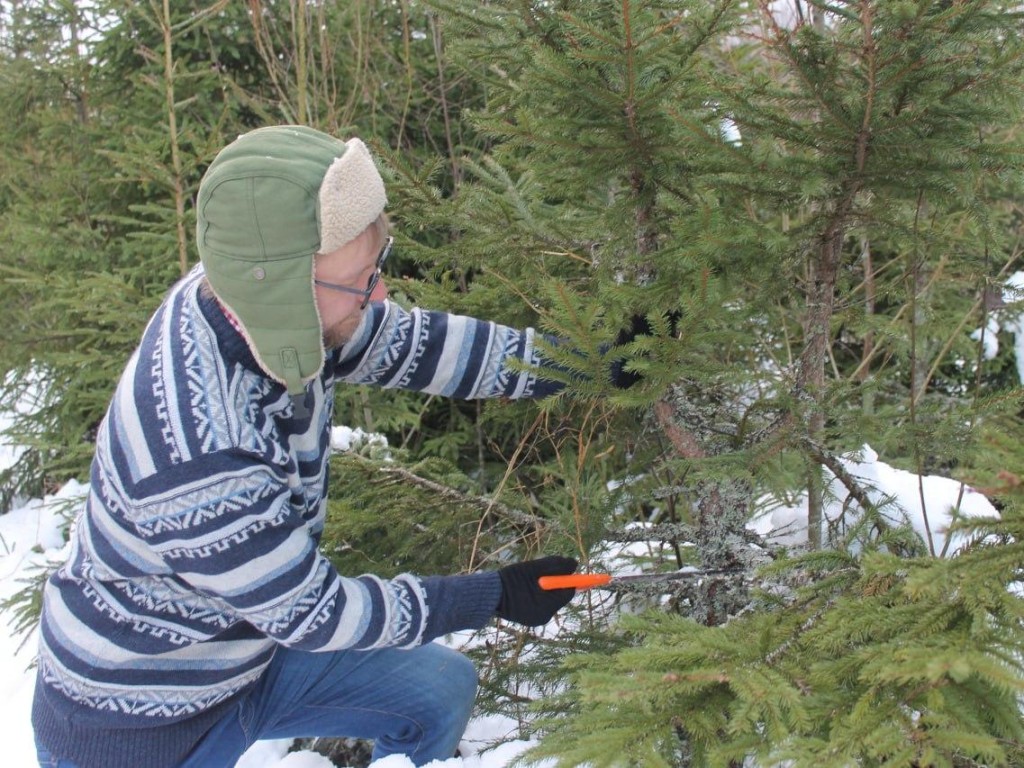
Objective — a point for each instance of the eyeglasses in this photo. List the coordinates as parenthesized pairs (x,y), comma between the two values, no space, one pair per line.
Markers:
(374,278)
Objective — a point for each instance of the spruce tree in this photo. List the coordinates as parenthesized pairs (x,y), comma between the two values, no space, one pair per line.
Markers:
(805,284)
(99,174)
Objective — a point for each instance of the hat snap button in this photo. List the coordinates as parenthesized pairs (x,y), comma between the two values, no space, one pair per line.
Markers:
(259,273)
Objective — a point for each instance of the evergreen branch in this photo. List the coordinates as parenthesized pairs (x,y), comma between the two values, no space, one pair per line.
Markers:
(668,491)
(662,532)
(489,506)
(803,629)
(820,454)
(669,533)
(643,582)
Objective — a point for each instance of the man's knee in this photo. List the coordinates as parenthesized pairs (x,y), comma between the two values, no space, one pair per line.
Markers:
(459,679)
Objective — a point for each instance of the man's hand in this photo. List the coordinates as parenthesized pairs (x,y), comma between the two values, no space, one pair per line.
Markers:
(522,599)
(639,325)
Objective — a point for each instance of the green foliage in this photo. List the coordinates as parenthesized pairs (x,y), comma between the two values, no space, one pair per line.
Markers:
(101,168)
(872,660)
(89,215)
(87,323)
(866,203)
(24,606)
(824,272)
(388,517)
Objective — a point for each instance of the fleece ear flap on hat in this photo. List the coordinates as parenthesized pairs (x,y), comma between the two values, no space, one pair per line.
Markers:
(351,197)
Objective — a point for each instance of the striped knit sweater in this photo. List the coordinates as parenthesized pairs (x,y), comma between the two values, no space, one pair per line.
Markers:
(196,552)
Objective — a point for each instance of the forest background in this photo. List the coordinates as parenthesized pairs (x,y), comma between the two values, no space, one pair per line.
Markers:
(796,225)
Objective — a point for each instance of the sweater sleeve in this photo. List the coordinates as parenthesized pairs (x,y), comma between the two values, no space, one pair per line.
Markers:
(442,354)
(236,538)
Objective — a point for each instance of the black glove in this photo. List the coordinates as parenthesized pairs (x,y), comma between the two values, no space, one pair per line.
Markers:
(639,325)
(522,599)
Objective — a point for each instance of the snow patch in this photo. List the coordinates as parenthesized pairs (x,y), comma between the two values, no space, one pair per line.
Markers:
(349,439)
(928,503)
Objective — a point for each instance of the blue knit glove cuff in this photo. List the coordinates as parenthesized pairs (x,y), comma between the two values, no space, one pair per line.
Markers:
(460,602)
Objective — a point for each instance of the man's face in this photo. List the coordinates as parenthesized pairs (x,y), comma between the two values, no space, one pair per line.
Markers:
(351,265)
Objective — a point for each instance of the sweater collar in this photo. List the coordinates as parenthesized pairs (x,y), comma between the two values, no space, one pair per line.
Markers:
(225,327)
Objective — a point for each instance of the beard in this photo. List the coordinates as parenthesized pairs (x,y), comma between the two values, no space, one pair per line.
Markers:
(339,334)
(336,337)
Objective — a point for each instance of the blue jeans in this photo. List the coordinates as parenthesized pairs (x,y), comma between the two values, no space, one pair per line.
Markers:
(412,702)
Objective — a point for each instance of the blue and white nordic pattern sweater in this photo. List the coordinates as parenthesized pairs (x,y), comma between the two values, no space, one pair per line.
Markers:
(196,553)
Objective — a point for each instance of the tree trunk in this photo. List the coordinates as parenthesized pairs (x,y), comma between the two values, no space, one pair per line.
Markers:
(721,511)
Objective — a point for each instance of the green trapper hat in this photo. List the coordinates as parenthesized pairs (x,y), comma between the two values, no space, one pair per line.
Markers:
(270,200)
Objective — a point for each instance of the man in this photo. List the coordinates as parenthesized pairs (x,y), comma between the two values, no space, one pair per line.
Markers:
(195,614)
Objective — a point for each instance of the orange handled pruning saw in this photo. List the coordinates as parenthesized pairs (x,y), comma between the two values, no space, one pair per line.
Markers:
(575,581)
(591,581)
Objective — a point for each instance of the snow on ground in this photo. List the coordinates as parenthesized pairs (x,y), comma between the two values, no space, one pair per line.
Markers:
(927,502)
